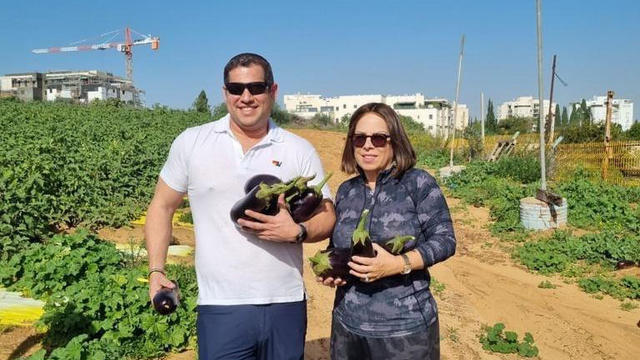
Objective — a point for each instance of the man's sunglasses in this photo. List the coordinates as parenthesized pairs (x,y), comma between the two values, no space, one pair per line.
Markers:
(378,140)
(255,88)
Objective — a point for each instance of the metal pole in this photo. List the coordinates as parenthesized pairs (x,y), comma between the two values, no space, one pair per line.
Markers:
(551,115)
(543,177)
(455,104)
(482,117)
(607,136)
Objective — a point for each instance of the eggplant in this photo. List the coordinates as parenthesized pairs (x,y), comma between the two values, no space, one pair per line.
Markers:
(262,198)
(360,240)
(331,263)
(305,203)
(167,300)
(298,185)
(260,178)
(396,245)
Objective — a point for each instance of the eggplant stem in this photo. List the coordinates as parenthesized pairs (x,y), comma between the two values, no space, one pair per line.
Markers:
(267,191)
(360,235)
(318,188)
(398,242)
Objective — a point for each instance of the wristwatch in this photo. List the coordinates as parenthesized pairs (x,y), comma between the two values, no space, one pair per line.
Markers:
(407,264)
(302,235)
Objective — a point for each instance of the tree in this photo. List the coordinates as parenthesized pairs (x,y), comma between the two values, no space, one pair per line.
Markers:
(557,117)
(491,123)
(279,115)
(565,117)
(201,104)
(575,117)
(473,134)
(634,131)
(321,120)
(516,123)
(219,111)
(585,112)
(410,125)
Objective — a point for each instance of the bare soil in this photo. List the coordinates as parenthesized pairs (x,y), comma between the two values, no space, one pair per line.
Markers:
(483,286)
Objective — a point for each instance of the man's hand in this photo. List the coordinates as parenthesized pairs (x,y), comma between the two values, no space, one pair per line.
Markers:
(277,228)
(331,282)
(157,281)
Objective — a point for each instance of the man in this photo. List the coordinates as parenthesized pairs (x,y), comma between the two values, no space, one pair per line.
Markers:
(251,302)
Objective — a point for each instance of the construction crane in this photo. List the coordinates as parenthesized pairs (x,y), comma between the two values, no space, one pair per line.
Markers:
(125,47)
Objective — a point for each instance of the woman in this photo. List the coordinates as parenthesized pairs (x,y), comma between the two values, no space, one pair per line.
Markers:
(385,310)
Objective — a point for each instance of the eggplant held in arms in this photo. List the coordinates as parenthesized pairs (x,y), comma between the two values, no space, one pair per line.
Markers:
(260,178)
(167,300)
(261,199)
(396,245)
(360,241)
(331,263)
(305,203)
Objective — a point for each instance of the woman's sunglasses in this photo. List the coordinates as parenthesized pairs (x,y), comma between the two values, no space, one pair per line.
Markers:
(255,88)
(378,140)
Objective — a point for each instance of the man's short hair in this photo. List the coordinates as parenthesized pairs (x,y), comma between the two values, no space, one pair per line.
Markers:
(247,59)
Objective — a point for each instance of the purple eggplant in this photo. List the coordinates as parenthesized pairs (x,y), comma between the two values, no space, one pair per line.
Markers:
(305,203)
(167,300)
(397,244)
(360,240)
(260,178)
(262,198)
(298,185)
(331,263)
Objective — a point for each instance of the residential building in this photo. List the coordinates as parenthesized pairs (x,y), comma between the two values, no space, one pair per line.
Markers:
(524,106)
(622,111)
(433,114)
(79,86)
(25,86)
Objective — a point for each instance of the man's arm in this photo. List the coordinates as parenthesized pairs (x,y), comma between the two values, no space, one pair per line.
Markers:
(157,233)
(282,228)
(320,226)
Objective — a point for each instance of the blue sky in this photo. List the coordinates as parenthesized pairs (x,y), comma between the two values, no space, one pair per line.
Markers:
(335,47)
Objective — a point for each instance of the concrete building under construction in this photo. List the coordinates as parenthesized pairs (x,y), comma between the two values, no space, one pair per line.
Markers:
(77,86)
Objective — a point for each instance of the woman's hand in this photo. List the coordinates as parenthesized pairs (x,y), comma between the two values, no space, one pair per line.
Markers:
(371,269)
(331,282)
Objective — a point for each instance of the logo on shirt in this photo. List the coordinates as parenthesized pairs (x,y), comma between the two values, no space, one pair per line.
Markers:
(276,163)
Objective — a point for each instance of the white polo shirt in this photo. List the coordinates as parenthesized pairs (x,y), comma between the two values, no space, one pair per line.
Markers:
(233,267)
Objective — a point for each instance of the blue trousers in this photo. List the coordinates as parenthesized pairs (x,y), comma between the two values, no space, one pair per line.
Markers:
(256,332)
(423,345)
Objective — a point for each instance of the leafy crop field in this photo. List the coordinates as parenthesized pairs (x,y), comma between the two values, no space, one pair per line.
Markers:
(73,176)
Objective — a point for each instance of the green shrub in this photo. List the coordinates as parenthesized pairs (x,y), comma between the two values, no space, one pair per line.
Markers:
(493,339)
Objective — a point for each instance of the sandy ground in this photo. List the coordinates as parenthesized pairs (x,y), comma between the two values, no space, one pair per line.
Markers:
(482,287)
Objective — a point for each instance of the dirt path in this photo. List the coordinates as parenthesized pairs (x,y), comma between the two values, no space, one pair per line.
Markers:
(482,286)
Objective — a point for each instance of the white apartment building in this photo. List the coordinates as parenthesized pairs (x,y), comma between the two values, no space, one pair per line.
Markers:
(433,114)
(524,106)
(622,111)
(79,86)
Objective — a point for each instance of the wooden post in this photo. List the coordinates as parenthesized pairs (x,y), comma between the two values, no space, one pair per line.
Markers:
(607,136)
(551,118)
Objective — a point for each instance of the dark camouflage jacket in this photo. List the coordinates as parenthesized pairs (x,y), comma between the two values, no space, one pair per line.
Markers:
(410,205)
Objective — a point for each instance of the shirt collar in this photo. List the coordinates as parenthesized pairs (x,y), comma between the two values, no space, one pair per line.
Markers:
(274,133)
(383,176)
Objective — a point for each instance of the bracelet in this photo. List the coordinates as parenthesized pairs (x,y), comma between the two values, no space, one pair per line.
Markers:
(160,270)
